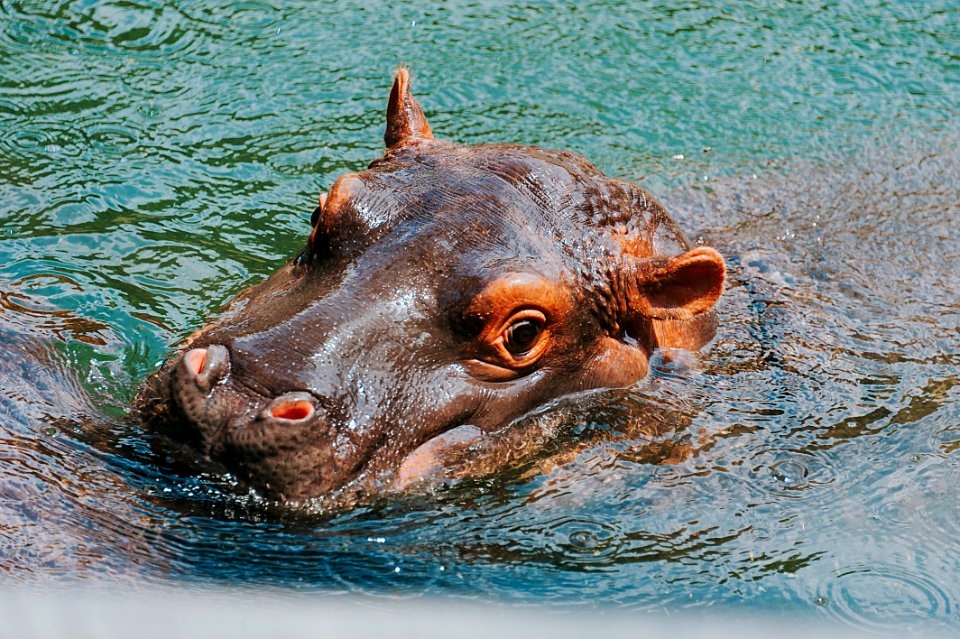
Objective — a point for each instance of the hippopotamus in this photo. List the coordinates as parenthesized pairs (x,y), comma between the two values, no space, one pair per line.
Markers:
(444,292)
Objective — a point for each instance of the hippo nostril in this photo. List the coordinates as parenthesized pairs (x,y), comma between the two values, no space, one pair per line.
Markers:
(195,359)
(292,411)
(290,407)
(206,367)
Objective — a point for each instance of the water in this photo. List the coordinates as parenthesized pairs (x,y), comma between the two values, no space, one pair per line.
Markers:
(156,157)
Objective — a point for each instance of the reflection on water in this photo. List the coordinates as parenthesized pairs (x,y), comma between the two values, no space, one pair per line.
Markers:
(155,157)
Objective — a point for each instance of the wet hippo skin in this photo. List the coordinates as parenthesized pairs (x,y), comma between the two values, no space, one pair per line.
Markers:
(444,292)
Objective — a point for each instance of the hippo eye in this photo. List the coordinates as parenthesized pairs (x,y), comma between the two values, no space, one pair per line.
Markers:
(512,324)
(522,334)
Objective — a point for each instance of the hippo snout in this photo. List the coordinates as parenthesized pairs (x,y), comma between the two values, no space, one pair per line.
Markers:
(215,411)
(201,384)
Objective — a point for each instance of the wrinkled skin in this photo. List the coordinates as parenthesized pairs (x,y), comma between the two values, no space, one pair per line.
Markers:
(444,292)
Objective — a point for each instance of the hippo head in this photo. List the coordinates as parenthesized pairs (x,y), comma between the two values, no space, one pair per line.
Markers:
(444,289)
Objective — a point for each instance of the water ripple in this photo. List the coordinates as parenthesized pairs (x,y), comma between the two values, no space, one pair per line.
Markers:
(249,15)
(9,107)
(137,28)
(579,541)
(884,597)
(156,80)
(22,35)
(37,139)
(791,473)
(27,303)
(113,139)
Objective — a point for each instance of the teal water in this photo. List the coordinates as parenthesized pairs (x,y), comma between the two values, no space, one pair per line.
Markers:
(156,157)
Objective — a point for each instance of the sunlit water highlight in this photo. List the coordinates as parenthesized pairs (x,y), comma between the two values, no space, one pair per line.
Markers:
(156,157)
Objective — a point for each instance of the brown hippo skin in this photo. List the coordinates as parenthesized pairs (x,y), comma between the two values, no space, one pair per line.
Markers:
(444,292)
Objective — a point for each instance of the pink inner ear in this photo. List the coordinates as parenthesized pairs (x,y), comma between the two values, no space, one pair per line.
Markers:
(689,285)
(196,359)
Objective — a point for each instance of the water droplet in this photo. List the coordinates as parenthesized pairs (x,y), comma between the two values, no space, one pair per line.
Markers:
(583,539)
(789,473)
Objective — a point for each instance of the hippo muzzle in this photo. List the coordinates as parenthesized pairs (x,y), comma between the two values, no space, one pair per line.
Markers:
(223,421)
(443,292)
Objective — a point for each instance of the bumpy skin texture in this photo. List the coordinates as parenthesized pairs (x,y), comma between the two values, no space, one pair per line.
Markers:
(445,289)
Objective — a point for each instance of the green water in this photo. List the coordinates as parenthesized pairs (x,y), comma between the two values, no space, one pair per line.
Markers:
(157,157)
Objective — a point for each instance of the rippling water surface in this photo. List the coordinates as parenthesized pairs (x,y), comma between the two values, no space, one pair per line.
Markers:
(158,156)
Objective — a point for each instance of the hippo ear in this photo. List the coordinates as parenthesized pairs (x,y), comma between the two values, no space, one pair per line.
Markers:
(405,119)
(676,288)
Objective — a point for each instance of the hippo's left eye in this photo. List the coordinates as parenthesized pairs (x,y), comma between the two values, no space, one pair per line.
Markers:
(518,319)
(521,340)
(522,335)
